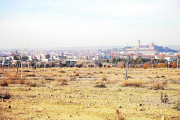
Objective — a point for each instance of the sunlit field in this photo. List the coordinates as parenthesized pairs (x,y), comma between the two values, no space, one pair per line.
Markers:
(90,94)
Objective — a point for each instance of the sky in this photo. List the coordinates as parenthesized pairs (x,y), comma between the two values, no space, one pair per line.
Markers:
(68,23)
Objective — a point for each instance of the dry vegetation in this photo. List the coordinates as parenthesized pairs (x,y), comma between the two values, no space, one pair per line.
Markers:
(88,93)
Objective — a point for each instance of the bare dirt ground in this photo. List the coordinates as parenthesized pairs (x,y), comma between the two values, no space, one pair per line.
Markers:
(70,93)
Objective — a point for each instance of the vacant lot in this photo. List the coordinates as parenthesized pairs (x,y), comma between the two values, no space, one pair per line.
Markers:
(88,93)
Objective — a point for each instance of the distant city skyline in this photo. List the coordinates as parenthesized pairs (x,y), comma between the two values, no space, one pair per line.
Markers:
(58,23)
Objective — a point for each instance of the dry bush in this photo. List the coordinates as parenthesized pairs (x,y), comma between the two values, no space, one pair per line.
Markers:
(76,74)
(113,81)
(3,83)
(136,83)
(72,78)
(145,66)
(177,106)
(64,82)
(103,78)
(5,94)
(164,98)
(32,84)
(27,71)
(49,79)
(27,82)
(14,76)
(108,66)
(158,85)
(20,81)
(11,81)
(62,71)
(30,75)
(121,65)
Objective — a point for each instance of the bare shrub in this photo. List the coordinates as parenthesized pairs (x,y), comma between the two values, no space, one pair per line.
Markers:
(11,81)
(64,82)
(20,81)
(5,95)
(120,117)
(136,83)
(72,78)
(159,85)
(3,83)
(14,76)
(33,84)
(30,75)
(177,106)
(108,66)
(121,64)
(76,74)
(164,99)
(104,78)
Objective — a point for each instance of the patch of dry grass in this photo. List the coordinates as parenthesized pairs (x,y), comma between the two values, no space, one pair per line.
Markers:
(136,83)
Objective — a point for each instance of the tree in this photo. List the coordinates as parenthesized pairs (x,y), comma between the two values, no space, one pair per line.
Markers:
(118,60)
(114,60)
(107,60)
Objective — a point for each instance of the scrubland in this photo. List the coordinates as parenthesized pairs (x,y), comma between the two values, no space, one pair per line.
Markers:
(90,94)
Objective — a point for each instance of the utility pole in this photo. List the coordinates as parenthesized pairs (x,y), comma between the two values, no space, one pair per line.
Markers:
(94,64)
(21,60)
(2,60)
(177,63)
(168,65)
(44,66)
(127,65)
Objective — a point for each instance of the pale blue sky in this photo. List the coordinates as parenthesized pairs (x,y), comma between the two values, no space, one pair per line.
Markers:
(66,23)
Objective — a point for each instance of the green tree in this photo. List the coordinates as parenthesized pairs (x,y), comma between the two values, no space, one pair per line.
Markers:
(107,60)
(114,60)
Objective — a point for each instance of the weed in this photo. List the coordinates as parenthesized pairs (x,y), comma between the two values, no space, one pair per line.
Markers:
(32,84)
(164,98)
(20,81)
(30,75)
(177,106)
(135,83)
(49,79)
(62,71)
(64,82)
(100,86)
(157,77)
(27,71)
(120,117)
(104,78)
(76,74)
(72,78)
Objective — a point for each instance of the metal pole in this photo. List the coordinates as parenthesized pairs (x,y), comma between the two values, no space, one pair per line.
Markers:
(127,67)
(94,64)
(21,61)
(177,64)
(2,59)
(168,65)
(44,66)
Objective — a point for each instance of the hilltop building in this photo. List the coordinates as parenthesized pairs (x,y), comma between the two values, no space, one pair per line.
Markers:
(150,49)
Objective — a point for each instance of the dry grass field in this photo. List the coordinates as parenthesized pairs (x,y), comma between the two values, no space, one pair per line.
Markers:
(90,94)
